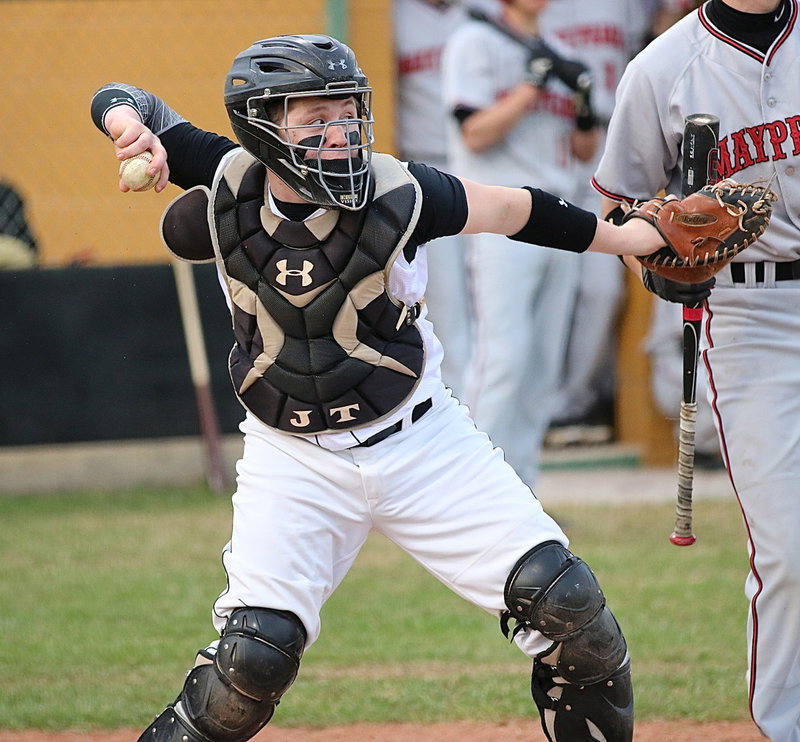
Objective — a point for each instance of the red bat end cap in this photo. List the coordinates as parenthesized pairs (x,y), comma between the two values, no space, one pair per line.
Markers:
(682,540)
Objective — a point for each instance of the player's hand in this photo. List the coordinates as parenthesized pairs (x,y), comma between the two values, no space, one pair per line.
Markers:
(131,137)
(540,64)
(677,292)
(584,143)
(574,74)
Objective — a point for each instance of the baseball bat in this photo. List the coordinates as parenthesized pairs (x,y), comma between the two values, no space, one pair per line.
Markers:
(200,373)
(479,15)
(584,80)
(700,166)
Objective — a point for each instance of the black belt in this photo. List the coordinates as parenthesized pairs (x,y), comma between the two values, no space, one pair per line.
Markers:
(382,435)
(783,271)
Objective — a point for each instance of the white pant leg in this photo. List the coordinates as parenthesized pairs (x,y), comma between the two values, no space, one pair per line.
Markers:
(444,494)
(299,520)
(522,295)
(754,362)
(447,298)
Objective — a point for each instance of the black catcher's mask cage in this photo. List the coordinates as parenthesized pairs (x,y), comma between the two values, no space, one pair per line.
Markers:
(259,88)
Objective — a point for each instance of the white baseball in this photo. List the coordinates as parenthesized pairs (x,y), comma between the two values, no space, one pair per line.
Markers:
(133,172)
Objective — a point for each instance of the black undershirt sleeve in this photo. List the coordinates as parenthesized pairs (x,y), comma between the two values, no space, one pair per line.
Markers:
(193,154)
(444,204)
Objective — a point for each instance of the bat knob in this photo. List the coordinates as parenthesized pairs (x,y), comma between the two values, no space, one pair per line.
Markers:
(682,540)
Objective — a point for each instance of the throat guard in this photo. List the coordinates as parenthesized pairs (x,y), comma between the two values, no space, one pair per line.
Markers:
(321,344)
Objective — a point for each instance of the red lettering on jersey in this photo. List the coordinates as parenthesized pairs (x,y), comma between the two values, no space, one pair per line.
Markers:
(737,153)
(756,133)
(794,131)
(558,105)
(593,35)
(425,59)
(741,152)
(778,133)
(725,166)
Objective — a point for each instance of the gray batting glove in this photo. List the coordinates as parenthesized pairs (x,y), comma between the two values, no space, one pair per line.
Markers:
(540,65)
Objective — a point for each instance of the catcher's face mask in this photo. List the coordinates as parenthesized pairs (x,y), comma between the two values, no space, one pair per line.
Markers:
(267,88)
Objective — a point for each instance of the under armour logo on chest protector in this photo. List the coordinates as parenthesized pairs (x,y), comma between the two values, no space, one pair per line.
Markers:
(303,273)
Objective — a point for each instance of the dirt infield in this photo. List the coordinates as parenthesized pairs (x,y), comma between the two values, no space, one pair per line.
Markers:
(516,731)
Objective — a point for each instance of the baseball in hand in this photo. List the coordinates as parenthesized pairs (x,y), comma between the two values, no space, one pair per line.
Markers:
(133,172)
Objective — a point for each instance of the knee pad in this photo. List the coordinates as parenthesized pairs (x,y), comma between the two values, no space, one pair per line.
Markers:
(581,684)
(259,652)
(233,689)
(552,591)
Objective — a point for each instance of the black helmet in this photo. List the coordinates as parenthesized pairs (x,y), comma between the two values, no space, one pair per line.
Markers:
(280,69)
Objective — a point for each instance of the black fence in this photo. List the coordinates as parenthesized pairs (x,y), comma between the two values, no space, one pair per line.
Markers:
(90,354)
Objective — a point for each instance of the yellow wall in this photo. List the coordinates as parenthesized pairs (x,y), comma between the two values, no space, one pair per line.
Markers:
(56,53)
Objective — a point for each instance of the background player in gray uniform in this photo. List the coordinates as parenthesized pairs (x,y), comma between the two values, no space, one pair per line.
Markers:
(421,28)
(738,59)
(513,121)
(602,36)
(348,426)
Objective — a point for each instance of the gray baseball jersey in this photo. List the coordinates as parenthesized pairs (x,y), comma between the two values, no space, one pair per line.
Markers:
(420,31)
(759,122)
(480,64)
(604,36)
(752,326)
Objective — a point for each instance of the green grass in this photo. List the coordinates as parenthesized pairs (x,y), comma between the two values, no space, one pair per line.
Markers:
(105,598)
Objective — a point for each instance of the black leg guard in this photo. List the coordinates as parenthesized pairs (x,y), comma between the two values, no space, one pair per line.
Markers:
(582,684)
(233,689)
(602,712)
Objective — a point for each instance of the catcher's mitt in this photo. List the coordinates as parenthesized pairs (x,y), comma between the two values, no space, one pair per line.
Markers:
(706,229)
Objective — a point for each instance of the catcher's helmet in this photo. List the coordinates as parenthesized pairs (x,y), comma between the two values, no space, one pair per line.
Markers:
(283,68)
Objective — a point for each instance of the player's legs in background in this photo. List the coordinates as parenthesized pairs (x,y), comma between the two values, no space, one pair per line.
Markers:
(753,360)
(584,407)
(521,295)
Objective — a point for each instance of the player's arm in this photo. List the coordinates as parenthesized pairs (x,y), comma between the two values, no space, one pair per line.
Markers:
(535,216)
(484,128)
(612,211)
(138,121)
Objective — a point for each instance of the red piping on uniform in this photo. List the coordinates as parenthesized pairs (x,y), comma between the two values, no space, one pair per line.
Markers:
(724,446)
(754,53)
(716,33)
(786,31)
(609,194)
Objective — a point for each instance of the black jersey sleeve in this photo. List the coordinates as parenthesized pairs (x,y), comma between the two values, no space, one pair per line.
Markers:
(444,204)
(193,154)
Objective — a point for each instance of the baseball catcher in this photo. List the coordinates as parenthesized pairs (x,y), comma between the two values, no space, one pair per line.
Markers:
(348,426)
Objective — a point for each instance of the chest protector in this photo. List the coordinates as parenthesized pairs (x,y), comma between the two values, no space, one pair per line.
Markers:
(321,343)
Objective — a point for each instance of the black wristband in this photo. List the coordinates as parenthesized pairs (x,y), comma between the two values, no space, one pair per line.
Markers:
(106,99)
(586,122)
(557,223)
